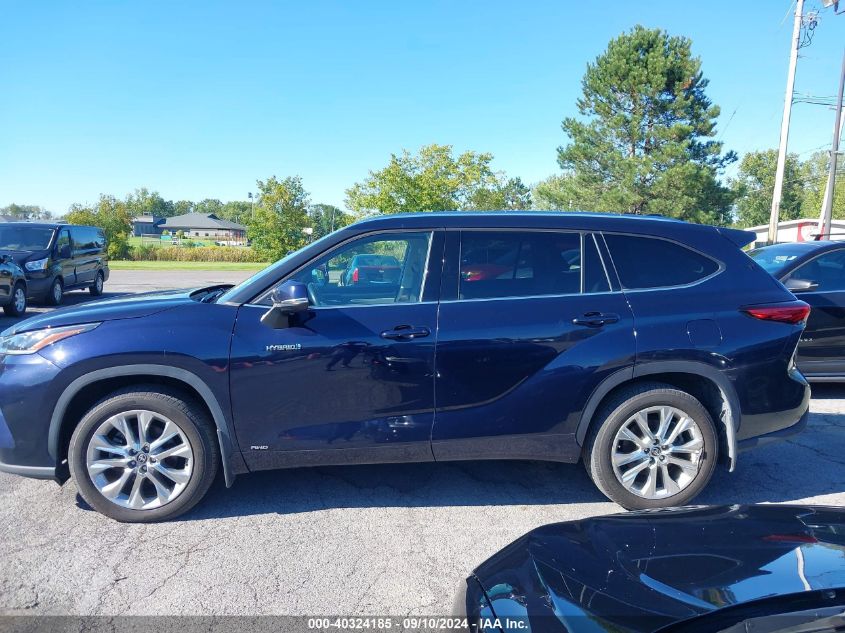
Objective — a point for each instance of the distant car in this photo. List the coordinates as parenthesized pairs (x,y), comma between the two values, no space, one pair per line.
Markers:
(12,287)
(372,269)
(815,272)
(57,257)
(738,568)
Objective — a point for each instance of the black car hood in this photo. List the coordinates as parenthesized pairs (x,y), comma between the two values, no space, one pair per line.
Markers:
(122,307)
(645,570)
(21,257)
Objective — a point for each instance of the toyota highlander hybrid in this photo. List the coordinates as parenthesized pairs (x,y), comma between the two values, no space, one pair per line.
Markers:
(650,349)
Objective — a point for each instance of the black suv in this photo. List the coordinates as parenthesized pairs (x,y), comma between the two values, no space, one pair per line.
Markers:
(57,257)
(649,349)
(12,287)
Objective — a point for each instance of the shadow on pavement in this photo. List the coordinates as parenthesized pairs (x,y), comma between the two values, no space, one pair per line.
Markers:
(807,465)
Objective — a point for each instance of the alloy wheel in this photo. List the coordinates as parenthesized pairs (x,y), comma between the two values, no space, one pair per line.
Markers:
(99,283)
(657,452)
(139,459)
(57,292)
(20,300)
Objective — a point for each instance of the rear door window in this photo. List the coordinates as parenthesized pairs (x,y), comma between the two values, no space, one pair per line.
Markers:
(501,264)
(647,262)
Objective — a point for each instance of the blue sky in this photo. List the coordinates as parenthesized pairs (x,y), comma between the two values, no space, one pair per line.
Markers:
(200,99)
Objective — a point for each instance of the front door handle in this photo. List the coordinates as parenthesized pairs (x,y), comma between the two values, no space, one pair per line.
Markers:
(595,319)
(405,333)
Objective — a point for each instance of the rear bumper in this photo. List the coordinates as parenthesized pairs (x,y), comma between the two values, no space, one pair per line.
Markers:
(775,436)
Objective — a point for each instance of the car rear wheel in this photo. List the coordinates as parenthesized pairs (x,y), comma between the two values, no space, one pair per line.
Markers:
(17,306)
(96,289)
(55,293)
(143,455)
(653,446)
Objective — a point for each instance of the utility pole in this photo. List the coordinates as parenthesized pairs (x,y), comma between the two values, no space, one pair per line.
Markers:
(784,126)
(827,203)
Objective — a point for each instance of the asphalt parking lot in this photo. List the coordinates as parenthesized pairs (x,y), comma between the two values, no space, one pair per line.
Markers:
(357,540)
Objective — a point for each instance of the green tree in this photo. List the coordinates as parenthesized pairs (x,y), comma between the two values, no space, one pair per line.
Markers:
(435,180)
(26,212)
(755,182)
(145,202)
(183,207)
(560,192)
(325,218)
(111,215)
(509,194)
(645,142)
(814,173)
(235,211)
(281,212)
(209,205)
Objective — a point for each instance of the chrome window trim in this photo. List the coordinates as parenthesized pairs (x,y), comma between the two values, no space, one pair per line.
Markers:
(351,305)
(524,297)
(718,271)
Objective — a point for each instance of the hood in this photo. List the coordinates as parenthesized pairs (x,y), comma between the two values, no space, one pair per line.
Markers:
(22,257)
(645,570)
(122,307)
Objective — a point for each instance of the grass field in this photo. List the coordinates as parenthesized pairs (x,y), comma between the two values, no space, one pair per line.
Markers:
(157,265)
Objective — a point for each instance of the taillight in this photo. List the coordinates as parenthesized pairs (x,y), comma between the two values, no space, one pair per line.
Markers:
(794,312)
(355,276)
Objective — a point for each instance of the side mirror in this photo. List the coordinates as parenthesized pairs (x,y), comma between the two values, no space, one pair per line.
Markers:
(801,285)
(288,299)
(64,252)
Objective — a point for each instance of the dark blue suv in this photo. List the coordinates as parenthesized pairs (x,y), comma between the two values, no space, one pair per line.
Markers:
(651,349)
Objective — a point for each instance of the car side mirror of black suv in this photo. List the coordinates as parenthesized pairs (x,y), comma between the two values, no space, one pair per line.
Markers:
(288,299)
(801,285)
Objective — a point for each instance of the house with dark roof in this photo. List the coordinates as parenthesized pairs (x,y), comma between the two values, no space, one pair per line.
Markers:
(146,225)
(205,225)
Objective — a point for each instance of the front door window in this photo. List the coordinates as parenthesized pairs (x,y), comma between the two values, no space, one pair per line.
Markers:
(375,270)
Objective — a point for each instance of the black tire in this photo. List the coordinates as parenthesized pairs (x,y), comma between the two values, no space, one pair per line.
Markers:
(13,308)
(184,412)
(54,296)
(617,411)
(96,289)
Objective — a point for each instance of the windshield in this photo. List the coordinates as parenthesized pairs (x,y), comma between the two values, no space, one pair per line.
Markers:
(25,238)
(775,258)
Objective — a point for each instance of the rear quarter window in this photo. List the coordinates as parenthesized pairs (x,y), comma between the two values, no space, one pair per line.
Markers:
(646,262)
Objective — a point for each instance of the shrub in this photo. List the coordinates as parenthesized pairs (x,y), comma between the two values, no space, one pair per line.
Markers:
(240,254)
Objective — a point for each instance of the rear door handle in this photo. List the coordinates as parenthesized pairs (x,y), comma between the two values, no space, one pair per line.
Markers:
(595,319)
(405,333)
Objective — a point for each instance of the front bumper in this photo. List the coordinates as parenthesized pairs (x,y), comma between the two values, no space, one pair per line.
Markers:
(27,398)
(37,284)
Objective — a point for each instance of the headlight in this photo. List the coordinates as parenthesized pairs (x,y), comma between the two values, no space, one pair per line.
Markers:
(37,264)
(31,342)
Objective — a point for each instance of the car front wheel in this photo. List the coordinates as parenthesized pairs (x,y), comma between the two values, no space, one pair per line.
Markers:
(143,455)
(17,306)
(96,289)
(55,293)
(652,446)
